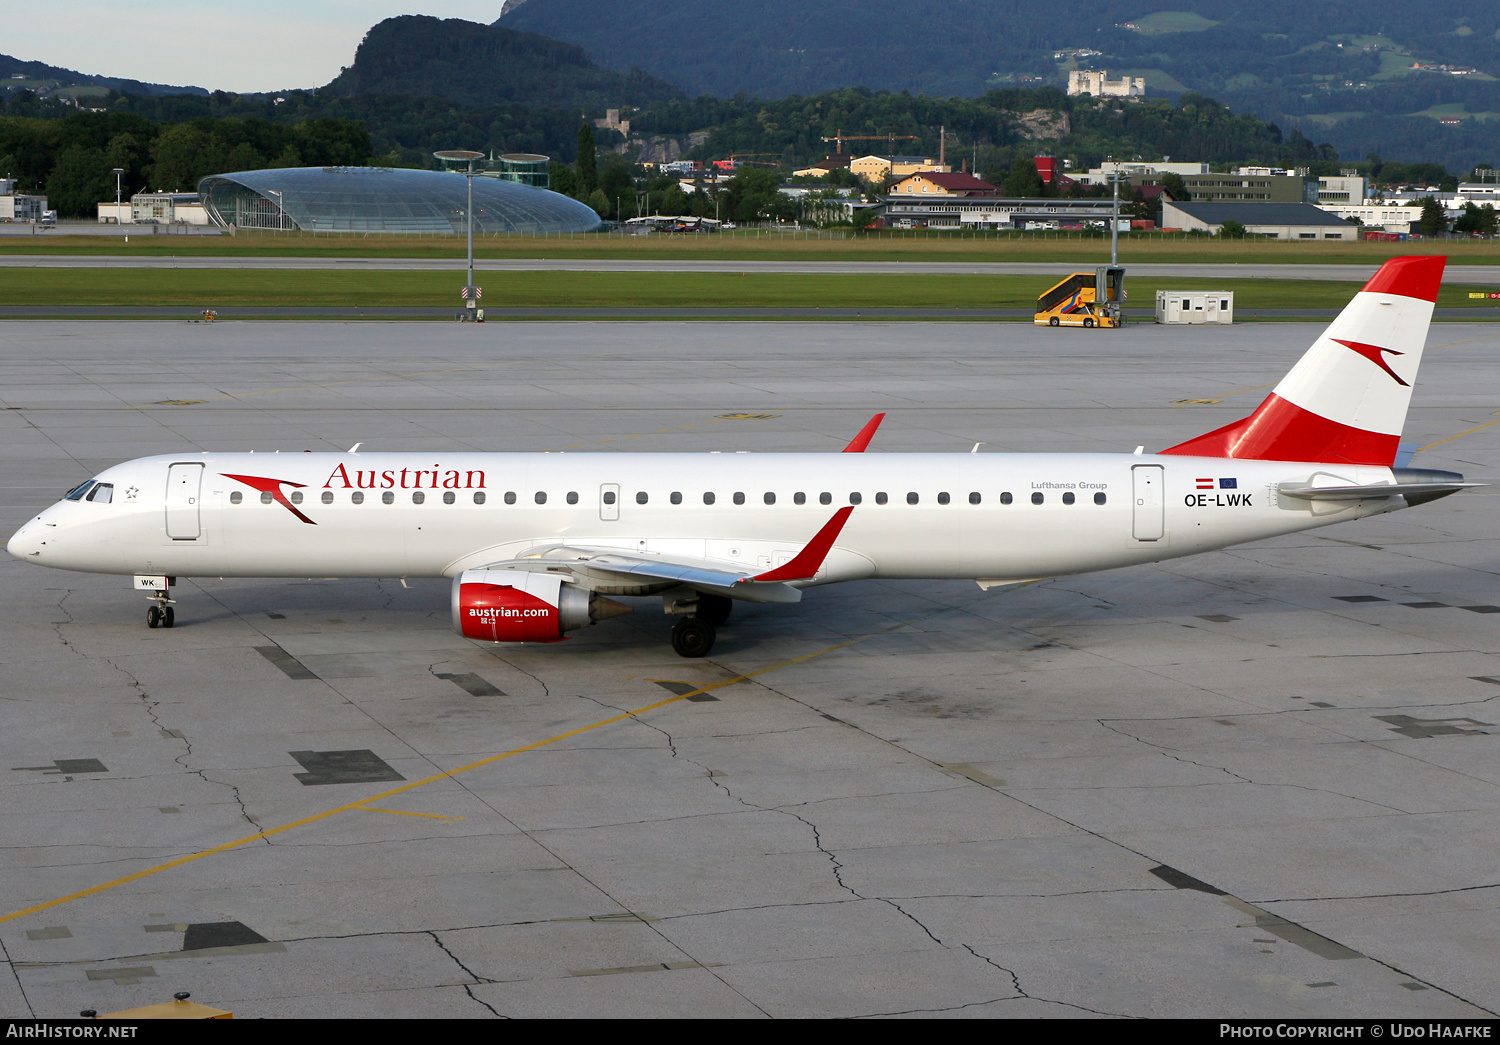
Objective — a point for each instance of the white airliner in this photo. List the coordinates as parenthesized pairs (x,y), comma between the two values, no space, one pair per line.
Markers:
(534,543)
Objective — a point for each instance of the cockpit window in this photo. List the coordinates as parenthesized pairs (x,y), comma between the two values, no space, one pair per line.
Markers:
(76,494)
(102,493)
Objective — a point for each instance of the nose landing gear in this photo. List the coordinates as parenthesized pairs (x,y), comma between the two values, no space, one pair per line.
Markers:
(160,614)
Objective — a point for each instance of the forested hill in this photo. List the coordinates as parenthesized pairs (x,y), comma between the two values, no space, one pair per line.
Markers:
(475,64)
(1365,63)
(16,74)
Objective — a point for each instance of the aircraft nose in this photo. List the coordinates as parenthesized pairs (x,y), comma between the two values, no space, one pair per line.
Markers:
(26,543)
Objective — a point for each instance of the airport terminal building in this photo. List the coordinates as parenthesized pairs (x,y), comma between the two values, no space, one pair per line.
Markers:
(385,200)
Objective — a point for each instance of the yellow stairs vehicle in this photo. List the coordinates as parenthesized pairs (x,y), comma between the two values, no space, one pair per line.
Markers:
(1084,299)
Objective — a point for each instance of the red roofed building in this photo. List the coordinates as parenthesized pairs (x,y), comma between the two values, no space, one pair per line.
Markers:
(935,183)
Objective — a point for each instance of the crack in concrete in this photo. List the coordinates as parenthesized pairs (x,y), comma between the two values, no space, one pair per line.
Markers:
(150,705)
(468,987)
(21,987)
(1383,896)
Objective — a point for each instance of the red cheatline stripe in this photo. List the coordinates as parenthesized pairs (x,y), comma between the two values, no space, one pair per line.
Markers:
(1282,431)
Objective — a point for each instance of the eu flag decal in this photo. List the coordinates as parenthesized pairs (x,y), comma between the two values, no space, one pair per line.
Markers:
(1229,484)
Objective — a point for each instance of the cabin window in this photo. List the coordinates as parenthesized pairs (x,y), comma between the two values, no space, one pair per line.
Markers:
(912,498)
(676,497)
(388,498)
(739,498)
(1099,498)
(641,497)
(418,497)
(449,497)
(478,496)
(357,497)
(510,497)
(799,498)
(1037,498)
(266,498)
(1068,497)
(572,496)
(708,498)
(296,497)
(327,496)
(770,498)
(76,494)
(825,498)
(609,497)
(882,497)
(541,497)
(236,497)
(855,498)
(943,498)
(974,497)
(1006,498)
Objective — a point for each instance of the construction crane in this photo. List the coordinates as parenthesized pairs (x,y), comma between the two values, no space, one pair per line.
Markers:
(891,139)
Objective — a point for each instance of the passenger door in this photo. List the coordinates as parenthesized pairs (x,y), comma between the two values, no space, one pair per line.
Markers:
(184,491)
(1149,504)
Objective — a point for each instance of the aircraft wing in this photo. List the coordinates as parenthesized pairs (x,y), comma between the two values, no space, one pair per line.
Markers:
(606,566)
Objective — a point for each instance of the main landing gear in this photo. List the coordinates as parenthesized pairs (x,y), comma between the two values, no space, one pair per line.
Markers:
(160,614)
(693,635)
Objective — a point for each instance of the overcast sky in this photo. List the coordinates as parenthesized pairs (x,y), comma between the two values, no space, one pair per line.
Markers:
(251,45)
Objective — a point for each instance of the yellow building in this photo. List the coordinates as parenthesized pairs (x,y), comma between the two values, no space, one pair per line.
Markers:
(937,183)
(873,169)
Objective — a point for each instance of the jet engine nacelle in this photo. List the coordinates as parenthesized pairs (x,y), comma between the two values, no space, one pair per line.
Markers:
(518,606)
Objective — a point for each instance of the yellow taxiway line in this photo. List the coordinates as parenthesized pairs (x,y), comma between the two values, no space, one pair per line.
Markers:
(364,803)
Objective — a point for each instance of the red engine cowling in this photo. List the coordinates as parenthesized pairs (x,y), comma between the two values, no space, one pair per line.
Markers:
(517,606)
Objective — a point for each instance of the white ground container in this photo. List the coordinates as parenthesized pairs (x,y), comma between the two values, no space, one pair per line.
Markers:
(1195,306)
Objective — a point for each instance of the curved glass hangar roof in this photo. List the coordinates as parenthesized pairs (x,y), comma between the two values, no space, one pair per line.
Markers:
(384,199)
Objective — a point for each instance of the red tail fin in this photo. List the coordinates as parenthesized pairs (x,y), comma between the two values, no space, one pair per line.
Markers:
(1346,399)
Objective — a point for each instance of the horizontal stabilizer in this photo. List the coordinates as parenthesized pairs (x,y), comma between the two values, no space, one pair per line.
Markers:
(1426,491)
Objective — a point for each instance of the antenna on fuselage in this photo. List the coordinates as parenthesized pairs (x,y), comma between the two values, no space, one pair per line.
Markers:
(354,449)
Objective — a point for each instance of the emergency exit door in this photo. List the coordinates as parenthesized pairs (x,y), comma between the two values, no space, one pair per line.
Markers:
(609,502)
(1150,506)
(184,492)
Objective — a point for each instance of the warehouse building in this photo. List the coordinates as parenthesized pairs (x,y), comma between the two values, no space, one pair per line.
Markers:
(1283,221)
(994,212)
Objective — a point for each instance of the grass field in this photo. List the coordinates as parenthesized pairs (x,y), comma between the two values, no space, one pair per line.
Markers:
(217,288)
(769,246)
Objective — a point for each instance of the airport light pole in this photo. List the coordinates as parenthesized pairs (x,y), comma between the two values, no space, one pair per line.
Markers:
(471,292)
(1114,222)
(118,171)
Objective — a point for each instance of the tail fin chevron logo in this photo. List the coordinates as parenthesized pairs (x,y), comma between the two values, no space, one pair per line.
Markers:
(272,487)
(1372,353)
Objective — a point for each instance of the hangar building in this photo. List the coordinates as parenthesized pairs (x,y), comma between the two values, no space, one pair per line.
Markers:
(385,199)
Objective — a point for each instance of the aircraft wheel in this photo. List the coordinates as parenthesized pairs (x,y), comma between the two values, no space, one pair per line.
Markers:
(692,637)
(714,609)
(167,617)
(1054,322)
(1088,322)
(153,617)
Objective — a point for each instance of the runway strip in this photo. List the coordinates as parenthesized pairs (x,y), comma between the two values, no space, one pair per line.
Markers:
(1456,273)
